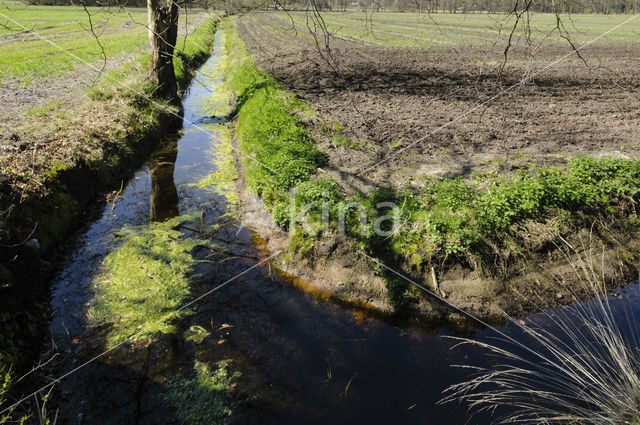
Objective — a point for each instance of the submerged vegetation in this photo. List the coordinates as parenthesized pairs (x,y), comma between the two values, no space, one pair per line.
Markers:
(224,179)
(217,105)
(144,282)
(205,398)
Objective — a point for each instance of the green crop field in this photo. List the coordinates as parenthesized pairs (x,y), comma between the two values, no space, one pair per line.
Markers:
(452,30)
(44,41)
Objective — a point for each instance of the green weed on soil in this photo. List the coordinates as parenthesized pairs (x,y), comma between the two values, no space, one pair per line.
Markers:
(451,217)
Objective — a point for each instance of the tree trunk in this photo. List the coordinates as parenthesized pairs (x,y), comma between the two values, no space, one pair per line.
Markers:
(163,34)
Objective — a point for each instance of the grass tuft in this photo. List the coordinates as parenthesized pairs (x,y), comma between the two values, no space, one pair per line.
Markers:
(583,370)
(268,130)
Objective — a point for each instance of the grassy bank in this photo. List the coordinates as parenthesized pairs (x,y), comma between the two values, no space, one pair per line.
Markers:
(484,223)
(94,148)
(283,155)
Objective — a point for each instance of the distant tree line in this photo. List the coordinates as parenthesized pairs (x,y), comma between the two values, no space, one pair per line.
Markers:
(116,3)
(469,6)
(425,6)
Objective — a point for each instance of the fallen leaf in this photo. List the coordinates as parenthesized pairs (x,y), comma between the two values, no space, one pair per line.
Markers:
(142,344)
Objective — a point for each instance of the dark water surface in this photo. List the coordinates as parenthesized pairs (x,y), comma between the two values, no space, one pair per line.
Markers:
(303,360)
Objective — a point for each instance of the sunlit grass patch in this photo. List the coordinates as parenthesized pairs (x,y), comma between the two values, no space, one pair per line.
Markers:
(106,128)
(29,57)
(270,132)
(69,42)
(145,279)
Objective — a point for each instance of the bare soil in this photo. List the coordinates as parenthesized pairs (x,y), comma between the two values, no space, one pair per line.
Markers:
(388,99)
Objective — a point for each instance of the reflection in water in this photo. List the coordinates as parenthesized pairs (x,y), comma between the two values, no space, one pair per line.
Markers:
(163,200)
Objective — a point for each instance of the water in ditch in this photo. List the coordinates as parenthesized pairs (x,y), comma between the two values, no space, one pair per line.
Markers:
(290,356)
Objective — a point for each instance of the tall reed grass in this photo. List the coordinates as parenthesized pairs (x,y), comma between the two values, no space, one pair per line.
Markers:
(570,365)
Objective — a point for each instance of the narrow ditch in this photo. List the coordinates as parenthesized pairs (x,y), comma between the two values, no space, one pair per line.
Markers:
(259,349)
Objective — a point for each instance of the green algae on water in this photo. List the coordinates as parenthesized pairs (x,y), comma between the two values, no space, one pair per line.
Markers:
(218,102)
(145,280)
(196,334)
(206,397)
(223,179)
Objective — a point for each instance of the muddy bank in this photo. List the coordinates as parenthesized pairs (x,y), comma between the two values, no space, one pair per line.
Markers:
(36,223)
(334,271)
(552,273)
